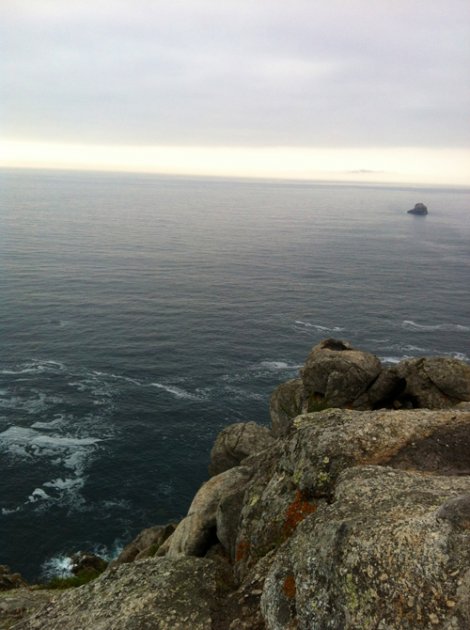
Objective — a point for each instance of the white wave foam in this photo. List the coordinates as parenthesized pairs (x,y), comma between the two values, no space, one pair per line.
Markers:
(51,425)
(110,552)
(409,324)
(65,492)
(29,404)
(38,494)
(118,377)
(394,360)
(460,355)
(410,348)
(277,365)
(318,327)
(57,566)
(65,485)
(35,366)
(73,453)
(6,511)
(238,393)
(178,392)
(403,348)
(25,436)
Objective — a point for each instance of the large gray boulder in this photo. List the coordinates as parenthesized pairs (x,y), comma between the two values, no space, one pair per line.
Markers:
(235,443)
(197,531)
(385,554)
(335,374)
(157,594)
(434,382)
(296,478)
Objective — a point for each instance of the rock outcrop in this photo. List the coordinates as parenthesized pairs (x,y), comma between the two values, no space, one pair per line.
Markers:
(380,556)
(146,544)
(338,375)
(335,374)
(344,518)
(9,579)
(163,594)
(419,209)
(235,443)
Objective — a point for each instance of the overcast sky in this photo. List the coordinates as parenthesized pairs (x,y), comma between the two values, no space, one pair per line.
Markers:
(337,74)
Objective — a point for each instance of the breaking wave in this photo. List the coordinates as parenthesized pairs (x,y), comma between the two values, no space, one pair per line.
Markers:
(178,392)
(317,327)
(409,324)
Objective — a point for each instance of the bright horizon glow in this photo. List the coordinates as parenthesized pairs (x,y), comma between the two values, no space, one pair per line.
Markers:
(408,165)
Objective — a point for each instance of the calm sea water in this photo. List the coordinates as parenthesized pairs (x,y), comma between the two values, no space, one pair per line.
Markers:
(139,315)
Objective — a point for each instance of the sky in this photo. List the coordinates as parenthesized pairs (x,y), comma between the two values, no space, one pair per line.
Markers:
(353,90)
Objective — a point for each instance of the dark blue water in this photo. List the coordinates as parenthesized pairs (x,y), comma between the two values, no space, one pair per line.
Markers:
(140,314)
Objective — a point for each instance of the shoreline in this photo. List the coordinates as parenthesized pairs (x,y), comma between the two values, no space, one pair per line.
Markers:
(348,428)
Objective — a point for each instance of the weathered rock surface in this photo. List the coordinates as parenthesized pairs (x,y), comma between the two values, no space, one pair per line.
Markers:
(302,474)
(335,374)
(146,544)
(434,382)
(378,557)
(235,443)
(285,404)
(157,594)
(9,579)
(21,602)
(196,532)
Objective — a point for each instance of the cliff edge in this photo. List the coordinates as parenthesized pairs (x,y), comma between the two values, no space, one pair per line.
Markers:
(352,512)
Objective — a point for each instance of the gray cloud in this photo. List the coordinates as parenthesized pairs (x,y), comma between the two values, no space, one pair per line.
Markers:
(271,72)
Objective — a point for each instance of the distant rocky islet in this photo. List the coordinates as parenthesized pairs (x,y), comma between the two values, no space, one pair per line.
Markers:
(419,209)
(352,511)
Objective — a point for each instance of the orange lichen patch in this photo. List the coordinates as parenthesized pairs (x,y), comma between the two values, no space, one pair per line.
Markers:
(288,587)
(299,509)
(242,550)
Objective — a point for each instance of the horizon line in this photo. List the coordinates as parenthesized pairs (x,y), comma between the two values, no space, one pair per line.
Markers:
(393,165)
(235,177)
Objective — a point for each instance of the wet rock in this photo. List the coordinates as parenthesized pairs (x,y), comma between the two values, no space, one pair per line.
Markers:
(235,443)
(86,562)
(336,374)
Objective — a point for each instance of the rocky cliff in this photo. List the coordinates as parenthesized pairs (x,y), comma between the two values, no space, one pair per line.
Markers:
(352,512)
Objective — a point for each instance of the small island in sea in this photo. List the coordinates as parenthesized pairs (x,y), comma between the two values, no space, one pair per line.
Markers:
(420,209)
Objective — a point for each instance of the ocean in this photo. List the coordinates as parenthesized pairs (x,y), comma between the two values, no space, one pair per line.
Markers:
(141,314)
